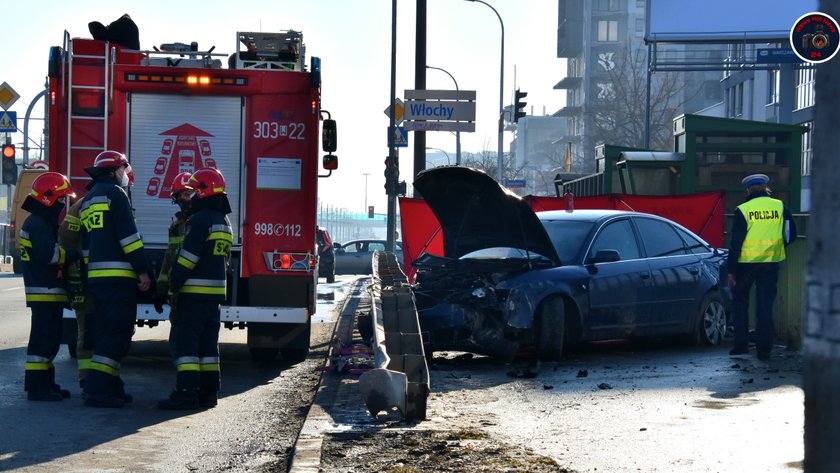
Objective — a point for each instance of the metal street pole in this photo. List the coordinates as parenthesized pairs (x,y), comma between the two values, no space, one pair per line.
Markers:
(457,133)
(393,165)
(366,174)
(500,162)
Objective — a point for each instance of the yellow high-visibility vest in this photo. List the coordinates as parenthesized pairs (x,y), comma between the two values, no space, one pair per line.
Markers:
(765,241)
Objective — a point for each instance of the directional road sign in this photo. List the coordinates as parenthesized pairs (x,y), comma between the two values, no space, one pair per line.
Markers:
(8,96)
(8,122)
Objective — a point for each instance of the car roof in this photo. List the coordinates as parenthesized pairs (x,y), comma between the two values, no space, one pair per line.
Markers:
(586,215)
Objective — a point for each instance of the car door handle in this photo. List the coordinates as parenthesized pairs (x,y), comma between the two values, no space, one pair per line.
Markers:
(644,275)
(694,270)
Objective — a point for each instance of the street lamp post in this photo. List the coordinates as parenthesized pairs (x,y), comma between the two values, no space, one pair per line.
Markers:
(500,162)
(366,174)
(457,133)
(448,161)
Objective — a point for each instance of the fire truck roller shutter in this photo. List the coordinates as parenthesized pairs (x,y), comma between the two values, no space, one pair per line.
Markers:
(186,121)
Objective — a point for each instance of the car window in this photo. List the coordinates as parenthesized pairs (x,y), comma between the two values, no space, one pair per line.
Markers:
(567,237)
(660,238)
(352,247)
(617,236)
(694,244)
(397,246)
(376,246)
(502,253)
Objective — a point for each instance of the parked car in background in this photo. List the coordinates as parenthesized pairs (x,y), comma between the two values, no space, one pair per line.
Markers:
(511,278)
(326,255)
(356,256)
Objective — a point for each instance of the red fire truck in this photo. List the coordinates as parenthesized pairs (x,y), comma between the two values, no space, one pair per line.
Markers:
(176,109)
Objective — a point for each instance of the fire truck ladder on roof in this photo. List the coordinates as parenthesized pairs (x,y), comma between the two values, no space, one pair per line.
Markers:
(90,88)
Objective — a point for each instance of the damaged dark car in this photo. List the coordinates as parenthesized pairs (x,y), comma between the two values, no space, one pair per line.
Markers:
(512,279)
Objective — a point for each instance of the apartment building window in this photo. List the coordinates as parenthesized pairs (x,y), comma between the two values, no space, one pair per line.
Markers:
(607,5)
(739,99)
(640,3)
(640,25)
(804,88)
(772,87)
(807,148)
(608,30)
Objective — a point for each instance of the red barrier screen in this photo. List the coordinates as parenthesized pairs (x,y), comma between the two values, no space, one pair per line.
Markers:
(701,213)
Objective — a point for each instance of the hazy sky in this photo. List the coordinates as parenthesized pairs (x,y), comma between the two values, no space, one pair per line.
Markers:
(353,39)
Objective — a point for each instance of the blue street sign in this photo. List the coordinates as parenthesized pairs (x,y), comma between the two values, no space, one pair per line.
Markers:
(8,122)
(399,137)
(776,56)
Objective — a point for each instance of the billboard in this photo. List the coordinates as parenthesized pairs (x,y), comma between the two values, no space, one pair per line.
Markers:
(687,21)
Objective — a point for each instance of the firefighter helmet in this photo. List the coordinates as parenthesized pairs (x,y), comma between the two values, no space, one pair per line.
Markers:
(181,183)
(48,187)
(110,159)
(207,182)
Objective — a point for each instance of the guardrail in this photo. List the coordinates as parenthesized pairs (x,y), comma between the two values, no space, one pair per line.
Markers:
(401,377)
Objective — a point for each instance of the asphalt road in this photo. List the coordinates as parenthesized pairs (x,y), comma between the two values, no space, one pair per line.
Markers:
(261,405)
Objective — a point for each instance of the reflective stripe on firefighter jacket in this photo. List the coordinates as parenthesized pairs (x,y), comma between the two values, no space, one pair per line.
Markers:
(111,244)
(201,267)
(764,241)
(42,258)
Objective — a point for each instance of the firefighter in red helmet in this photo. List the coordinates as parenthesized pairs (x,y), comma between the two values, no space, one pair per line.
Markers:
(116,269)
(181,194)
(198,282)
(43,260)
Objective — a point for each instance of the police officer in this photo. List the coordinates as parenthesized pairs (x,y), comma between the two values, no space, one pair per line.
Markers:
(116,268)
(761,229)
(199,282)
(181,194)
(43,260)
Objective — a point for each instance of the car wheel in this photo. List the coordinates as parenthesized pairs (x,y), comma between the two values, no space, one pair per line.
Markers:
(551,329)
(710,325)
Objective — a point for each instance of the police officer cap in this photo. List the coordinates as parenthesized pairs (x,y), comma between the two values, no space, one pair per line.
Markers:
(755,180)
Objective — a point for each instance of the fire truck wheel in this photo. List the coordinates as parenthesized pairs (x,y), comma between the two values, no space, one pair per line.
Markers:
(294,355)
(263,354)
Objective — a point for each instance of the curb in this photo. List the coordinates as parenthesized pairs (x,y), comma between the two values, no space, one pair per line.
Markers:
(306,456)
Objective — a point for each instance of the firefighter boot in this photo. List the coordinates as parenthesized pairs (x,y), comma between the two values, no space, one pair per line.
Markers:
(180,399)
(39,386)
(207,399)
(93,400)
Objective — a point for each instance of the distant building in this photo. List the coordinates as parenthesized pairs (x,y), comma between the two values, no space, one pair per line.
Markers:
(603,41)
(537,151)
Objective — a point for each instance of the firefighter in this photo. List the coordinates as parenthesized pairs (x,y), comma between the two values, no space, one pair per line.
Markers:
(69,237)
(181,194)
(761,229)
(198,282)
(116,269)
(43,259)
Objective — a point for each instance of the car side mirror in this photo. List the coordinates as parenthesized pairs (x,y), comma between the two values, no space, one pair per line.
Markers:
(605,256)
(339,251)
(329,136)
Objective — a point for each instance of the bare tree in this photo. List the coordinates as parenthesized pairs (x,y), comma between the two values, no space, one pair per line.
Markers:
(617,112)
(487,160)
(821,373)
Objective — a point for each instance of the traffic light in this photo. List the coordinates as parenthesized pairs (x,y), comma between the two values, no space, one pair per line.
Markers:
(518,105)
(370,211)
(9,167)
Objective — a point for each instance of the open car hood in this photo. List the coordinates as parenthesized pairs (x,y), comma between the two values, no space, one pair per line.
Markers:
(476,213)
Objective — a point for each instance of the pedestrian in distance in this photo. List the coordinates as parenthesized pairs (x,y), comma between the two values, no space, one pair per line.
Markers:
(181,194)
(43,260)
(198,283)
(116,269)
(761,229)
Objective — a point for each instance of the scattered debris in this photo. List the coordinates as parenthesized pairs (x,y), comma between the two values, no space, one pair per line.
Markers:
(643,429)
(604,386)
(583,373)
(548,386)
